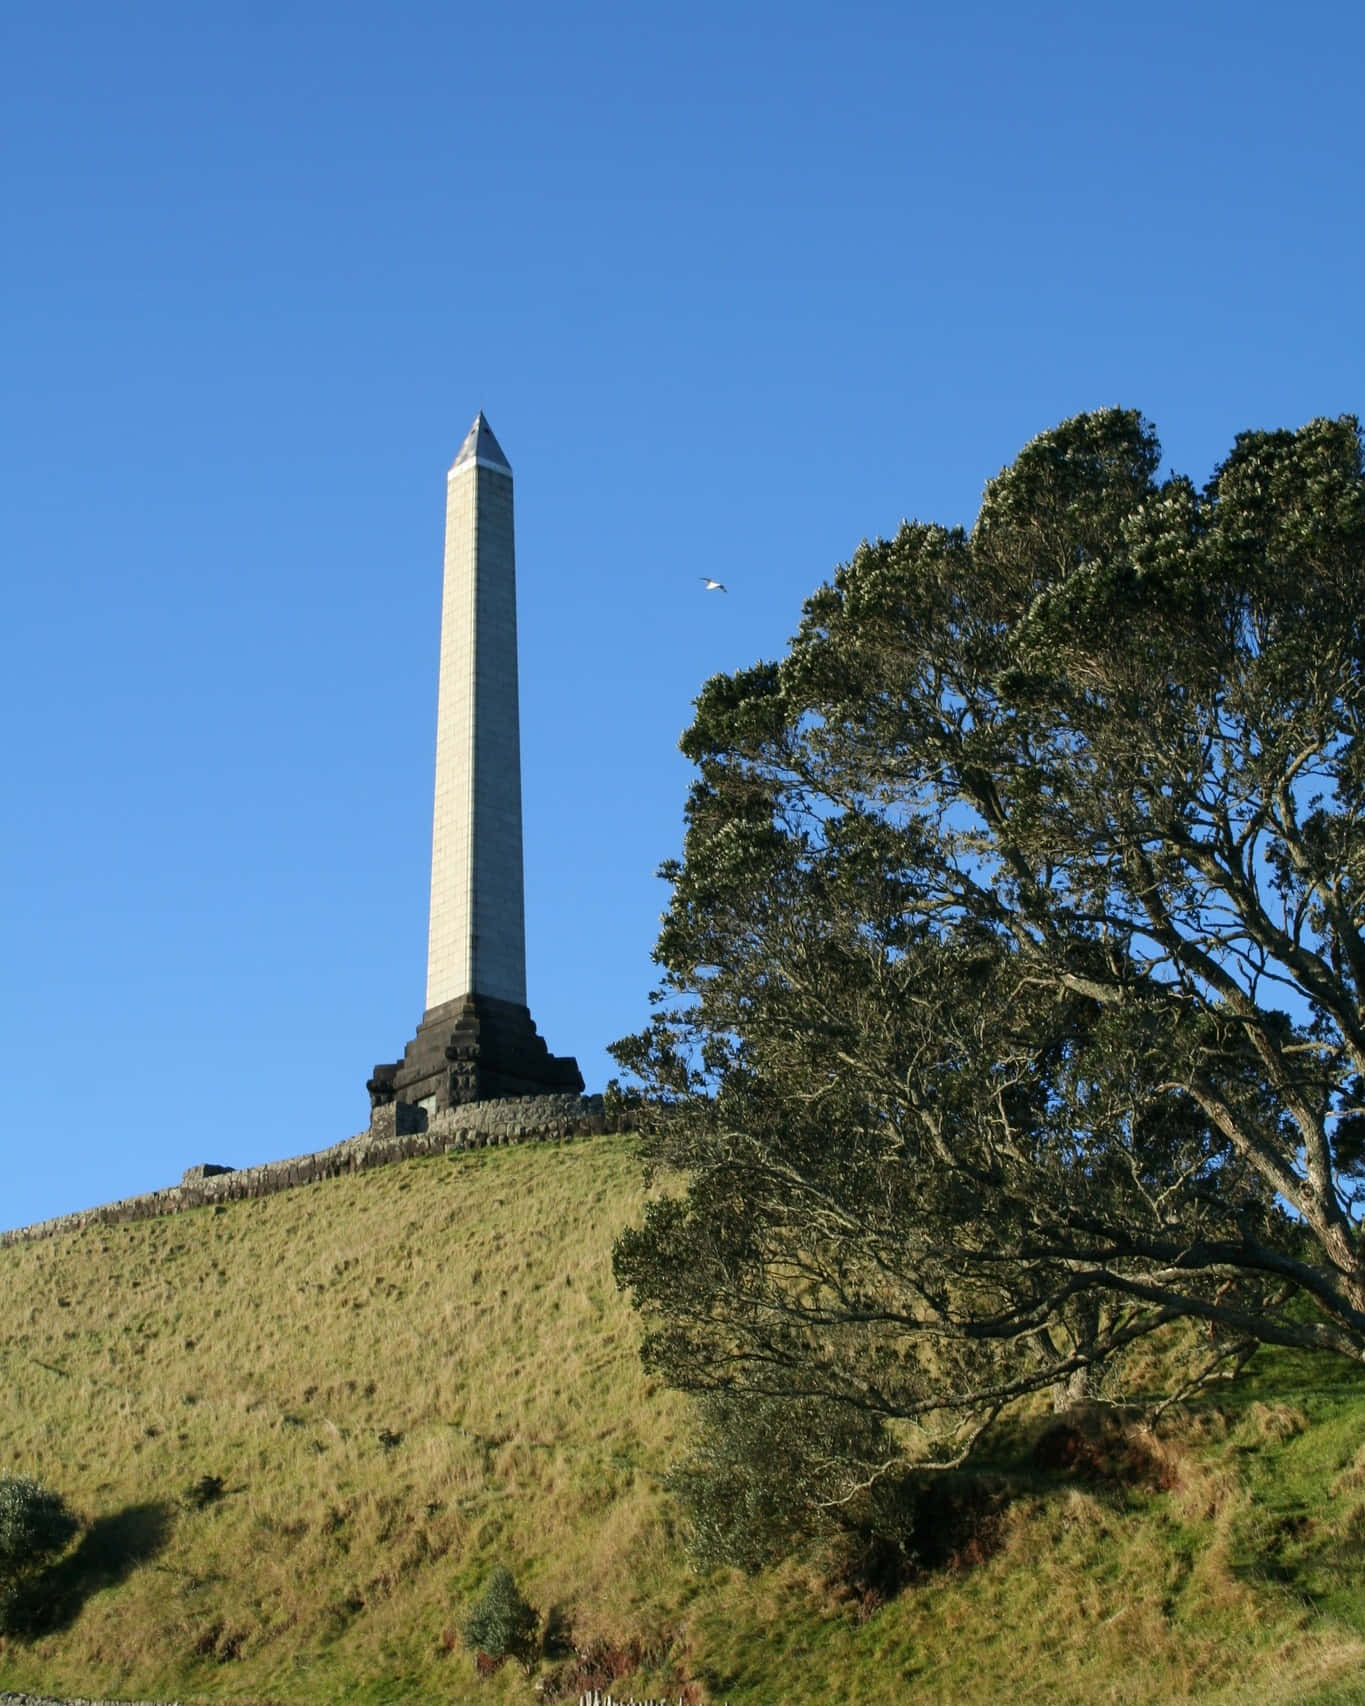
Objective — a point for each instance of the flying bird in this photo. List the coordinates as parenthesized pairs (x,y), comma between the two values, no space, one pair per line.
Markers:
(714,586)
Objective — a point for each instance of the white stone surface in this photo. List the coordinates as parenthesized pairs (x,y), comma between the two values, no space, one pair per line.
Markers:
(477,937)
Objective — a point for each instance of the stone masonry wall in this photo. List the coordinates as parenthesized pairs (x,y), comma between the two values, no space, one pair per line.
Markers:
(523,1119)
(8,1699)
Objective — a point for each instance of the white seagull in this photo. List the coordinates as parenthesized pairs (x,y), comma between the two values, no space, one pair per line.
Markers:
(713,586)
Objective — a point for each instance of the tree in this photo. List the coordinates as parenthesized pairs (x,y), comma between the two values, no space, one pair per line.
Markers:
(1013,999)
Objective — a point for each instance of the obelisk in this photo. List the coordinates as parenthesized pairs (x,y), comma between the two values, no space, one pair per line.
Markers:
(476,941)
(476,1039)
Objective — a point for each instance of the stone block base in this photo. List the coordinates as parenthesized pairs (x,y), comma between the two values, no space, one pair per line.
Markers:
(397,1119)
(474,1049)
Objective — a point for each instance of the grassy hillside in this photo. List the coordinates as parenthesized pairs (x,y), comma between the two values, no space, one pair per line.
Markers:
(400,1378)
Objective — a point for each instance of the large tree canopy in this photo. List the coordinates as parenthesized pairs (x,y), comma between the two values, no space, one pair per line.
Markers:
(1013,971)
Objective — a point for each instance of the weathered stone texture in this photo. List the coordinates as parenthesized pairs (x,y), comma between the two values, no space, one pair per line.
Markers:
(475,1049)
(205,1170)
(8,1699)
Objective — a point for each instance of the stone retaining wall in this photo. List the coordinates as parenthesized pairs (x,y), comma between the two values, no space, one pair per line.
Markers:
(475,1125)
(8,1699)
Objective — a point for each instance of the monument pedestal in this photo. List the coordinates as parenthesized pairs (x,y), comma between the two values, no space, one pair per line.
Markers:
(474,1049)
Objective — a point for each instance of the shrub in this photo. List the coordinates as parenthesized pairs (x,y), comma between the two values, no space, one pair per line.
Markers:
(502,1623)
(35,1525)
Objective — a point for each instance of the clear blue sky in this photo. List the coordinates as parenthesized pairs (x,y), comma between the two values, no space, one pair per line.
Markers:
(737,286)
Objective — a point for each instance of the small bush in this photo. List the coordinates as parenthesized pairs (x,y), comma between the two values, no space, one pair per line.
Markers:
(502,1624)
(35,1525)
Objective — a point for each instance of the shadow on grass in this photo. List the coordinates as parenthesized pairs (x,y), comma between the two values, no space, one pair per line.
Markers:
(110,1550)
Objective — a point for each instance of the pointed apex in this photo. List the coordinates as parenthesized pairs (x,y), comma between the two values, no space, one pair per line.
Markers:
(481,448)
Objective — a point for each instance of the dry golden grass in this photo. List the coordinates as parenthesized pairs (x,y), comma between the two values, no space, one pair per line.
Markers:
(402,1377)
(398,1377)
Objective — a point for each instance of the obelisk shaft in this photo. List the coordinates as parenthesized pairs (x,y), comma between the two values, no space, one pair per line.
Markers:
(476,1041)
(477,935)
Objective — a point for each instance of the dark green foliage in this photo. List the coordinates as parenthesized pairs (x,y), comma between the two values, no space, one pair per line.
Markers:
(1013,995)
(501,1623)
(764,1471)
(35,1525)
(767,1473)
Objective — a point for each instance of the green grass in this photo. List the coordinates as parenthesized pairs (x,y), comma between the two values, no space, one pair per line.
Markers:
(403,1377)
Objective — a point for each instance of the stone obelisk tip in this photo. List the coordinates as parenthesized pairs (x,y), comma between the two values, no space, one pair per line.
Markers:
(481,448)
